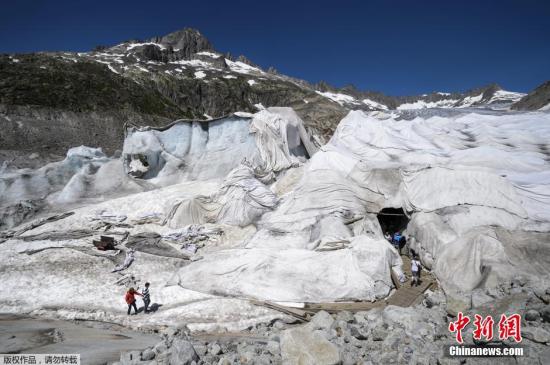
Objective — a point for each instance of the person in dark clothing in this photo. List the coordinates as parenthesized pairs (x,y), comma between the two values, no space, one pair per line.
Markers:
(146,298)
(131,300)
(397,241)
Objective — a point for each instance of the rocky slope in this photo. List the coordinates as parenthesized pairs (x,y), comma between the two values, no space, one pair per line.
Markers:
(50,102)
(536,99)
(393,335)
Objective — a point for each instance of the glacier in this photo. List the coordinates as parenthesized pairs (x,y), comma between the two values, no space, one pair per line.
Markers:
(299,221)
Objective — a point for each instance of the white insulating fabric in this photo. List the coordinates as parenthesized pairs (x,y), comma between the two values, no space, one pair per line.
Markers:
(271,138)
(475,186)
(305,237)
(297,136)
(361,272)
(330,233)
(461,175)
(241,199)
(201,150)
(320,193)
(433,188)
(420,165)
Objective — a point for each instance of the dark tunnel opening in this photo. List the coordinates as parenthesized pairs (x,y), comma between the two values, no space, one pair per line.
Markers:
(392,220)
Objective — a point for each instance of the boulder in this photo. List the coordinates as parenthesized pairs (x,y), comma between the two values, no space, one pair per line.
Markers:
(215,349)
(457,304)
(182,352)
(357,333)
(160,347)
(361,318)
(305,347)
(322,320)
(532,315)
(273,347)
(224,361)
(147,355)
(379,334)
(345,316)
(536,334)
(200,349)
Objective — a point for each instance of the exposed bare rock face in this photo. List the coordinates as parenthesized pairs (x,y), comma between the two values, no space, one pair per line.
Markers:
(537,99)
(185,42)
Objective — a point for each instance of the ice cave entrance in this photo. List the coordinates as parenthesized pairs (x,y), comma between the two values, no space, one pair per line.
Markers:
(392,220)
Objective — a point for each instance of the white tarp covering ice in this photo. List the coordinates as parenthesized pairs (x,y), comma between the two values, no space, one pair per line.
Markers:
(297,275)
(475,185)
(461,178)
(210,149)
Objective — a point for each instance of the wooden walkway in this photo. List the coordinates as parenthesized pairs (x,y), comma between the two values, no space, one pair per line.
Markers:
(404,296)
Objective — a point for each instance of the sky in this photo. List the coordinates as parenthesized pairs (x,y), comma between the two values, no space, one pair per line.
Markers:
(396,47)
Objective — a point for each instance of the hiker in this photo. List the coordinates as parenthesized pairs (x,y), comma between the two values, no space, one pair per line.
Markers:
(131,299)
(146,298)
(415,269)
(388,236)
(397,241)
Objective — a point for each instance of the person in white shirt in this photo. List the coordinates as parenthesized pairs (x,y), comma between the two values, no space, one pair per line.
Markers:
(415,269)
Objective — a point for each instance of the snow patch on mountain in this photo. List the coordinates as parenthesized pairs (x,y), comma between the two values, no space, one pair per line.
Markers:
(421,104)
(339,98)
(209,54)
(241,67)
(506,96)
(373,104)
(470,100)
(131,46)
(194,63)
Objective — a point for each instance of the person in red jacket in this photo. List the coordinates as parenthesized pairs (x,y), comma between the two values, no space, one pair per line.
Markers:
(131,299)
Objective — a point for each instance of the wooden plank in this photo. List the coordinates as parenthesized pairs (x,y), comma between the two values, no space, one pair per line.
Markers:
(294,312)
(406,296)
(344,306)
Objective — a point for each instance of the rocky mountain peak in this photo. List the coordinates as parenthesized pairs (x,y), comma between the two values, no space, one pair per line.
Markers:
(186,41)
(487,90)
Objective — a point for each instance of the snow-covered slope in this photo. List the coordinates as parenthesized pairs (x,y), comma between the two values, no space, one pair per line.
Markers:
(488,98)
